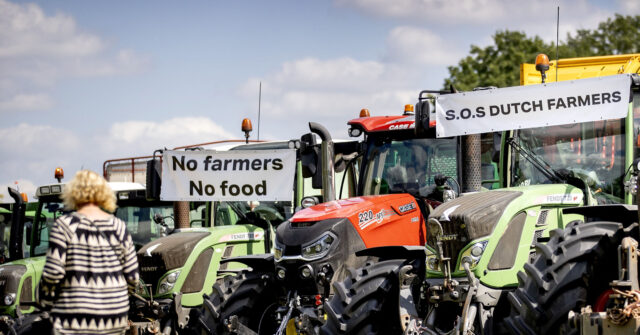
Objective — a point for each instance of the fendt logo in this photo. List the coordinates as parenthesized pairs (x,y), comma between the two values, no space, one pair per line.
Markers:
(450,237)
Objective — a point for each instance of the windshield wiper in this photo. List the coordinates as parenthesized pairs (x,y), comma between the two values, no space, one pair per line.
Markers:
(544,167)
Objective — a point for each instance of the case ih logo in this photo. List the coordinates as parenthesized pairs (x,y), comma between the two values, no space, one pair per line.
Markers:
(408,207)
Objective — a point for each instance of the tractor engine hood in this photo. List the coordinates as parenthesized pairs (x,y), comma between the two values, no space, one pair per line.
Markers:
(347,208)
(375,219)
(166,253)
(467,218)
(472,216)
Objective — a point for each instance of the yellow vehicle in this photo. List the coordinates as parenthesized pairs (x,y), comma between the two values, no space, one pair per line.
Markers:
(580,68)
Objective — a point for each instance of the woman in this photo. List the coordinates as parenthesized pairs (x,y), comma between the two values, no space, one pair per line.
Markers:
(91,262)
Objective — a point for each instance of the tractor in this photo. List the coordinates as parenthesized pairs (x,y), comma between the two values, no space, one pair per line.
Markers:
(403,177)
(584,280)
(178,269)
(460,281)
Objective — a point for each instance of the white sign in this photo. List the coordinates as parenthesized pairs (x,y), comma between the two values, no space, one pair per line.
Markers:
(239,175)
(518,107)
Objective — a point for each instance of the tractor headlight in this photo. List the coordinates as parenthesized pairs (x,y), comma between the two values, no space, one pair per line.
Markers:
(9,299)
(140,289)
(472,255)
(168,282)
(319,248)
(432,261)
(277,251)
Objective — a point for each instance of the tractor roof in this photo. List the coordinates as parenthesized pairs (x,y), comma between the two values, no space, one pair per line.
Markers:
(384,123)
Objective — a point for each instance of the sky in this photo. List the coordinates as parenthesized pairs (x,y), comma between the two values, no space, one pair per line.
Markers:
(82,81)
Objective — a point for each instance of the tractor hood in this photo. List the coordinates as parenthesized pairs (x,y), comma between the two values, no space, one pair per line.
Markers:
(18,279)
(166,253)
(501,212)
(349,207)
(378,220)
(476,213)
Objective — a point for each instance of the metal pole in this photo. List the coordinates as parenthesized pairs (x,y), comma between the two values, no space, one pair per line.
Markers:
(259,100)
(557,38)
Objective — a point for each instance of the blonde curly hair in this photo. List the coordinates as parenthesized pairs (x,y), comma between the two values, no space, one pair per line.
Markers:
(88,187)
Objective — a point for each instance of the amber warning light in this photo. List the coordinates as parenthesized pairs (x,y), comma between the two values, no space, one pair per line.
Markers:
(364,113)
(59,174)
(542,65)
(408,110)
(246,128)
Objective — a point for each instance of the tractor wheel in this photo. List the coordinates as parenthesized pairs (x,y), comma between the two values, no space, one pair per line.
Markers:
(571,271)
(366,302)
(249,296)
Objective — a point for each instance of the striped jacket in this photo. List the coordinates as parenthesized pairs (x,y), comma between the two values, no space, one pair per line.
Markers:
(90,267)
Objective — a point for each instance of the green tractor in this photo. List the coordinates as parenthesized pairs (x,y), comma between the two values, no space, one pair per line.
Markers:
(177,270)
(459,282)
(585,279)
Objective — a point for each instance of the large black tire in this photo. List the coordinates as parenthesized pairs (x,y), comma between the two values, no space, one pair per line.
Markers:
(249,296)
(569,272)
(366,302)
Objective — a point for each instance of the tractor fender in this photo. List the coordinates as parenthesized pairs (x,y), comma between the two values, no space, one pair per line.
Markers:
(259,263)
(614,212)
(394,252)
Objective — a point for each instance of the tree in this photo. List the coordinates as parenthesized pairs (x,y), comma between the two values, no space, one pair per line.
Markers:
(499,64)
(613,37)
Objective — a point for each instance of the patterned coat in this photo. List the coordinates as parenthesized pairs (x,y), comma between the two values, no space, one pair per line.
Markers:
(90,267)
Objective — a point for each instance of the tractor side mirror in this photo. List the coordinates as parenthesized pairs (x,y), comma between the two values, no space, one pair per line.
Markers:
(311,160)
(153,179)
(423,108)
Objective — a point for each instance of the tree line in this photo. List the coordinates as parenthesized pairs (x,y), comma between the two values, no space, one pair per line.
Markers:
(499,64)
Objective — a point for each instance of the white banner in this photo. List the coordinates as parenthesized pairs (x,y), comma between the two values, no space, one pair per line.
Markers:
(518,107)
(240,175)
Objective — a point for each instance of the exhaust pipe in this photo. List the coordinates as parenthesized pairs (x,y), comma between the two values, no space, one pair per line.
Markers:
(328,175)
(471,155)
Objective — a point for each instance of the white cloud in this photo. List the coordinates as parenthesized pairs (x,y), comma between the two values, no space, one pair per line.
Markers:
(37,50)
(331,92)
(26,102)
(432,10)
(22,185)
(36,150)
(629,7)
(403,42)
(172,132)
(533,17)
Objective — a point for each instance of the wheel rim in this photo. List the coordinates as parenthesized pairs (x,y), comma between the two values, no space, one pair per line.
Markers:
(267,323)
(601,303)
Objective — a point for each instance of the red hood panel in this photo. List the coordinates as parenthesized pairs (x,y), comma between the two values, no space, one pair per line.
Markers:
(392,219)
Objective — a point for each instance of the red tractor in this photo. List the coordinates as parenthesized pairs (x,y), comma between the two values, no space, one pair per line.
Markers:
(403,175)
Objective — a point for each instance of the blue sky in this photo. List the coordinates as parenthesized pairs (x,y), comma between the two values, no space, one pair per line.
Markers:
(85,81)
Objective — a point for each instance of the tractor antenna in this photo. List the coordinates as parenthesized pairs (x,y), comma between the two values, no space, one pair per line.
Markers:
(259,100)
(557,38)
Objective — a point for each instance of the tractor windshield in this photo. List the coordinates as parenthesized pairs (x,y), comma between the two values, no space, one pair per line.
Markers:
(230,212)
(47,213)
(407,166)
(145,220)
(592,150)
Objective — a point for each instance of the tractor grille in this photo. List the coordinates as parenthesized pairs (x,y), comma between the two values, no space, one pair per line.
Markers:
(10,278)
(151,269)
(469,218)
(456,238)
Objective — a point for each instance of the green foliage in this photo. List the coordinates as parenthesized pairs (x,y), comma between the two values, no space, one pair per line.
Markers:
(499,64)
(613,37)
